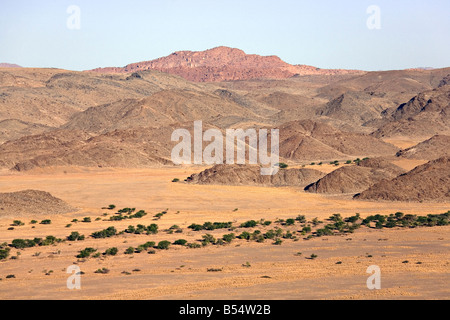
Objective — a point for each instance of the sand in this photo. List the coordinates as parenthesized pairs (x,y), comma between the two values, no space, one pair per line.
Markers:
(275,272)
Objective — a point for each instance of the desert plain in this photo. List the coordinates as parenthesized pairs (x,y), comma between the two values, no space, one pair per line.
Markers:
(274,272)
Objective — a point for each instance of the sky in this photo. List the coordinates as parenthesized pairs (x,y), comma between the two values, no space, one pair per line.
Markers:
(341,34)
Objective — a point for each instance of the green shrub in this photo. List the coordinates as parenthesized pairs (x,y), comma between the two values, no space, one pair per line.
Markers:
(244,235)
(75,236)
(270,234)
(86,219)
(278,242)
(163,245)
(290,222)
(46,221)
(85,253)
(196,227)
(130,250)
(4,253)
(17,223)
(229,237)
(208,239)
(306,229)
(282,165)
(152,229)
(180,242)
(106,233)
(102,271)
(249,224)
(111,251)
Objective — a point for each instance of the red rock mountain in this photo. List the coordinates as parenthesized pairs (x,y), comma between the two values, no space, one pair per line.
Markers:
(222,64)
(9,65)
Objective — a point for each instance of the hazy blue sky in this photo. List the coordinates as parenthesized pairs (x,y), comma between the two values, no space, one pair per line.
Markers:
(322,33)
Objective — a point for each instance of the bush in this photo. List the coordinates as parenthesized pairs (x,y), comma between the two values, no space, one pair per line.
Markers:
(176,180)
(210,226)
(111,251)
(278,242)
(282,165)
(86,219)
(270,234)
(47,221)
(148,244)
(85,253)
(4,253)
(194,245)
(290,222)
(208,239)
(19,244)
(180,242)
(244,235)
(196,227)
(163,245)
(106,233)
(17,223)
(229,237)
(152,229)
(102,271)
(249,224)
(75,236)
(130,250)
(306,229)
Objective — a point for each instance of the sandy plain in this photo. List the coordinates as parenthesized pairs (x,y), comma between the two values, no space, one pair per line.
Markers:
(272,272)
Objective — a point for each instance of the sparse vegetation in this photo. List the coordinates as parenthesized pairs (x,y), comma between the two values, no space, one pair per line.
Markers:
(106,233)
(85,253)
(163,245)
(102,271)
(282,165)
(249,224)
(75,236)
(111,251)
(17,223)
(180,242)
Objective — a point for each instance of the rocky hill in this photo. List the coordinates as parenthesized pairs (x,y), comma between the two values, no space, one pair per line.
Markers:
(32,202)
(425,115)
(431,149)
(428,182)
(251,175)
(315,141)
(355,178)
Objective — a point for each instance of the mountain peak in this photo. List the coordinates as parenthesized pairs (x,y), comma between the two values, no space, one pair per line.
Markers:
(9,65)
(222,64)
